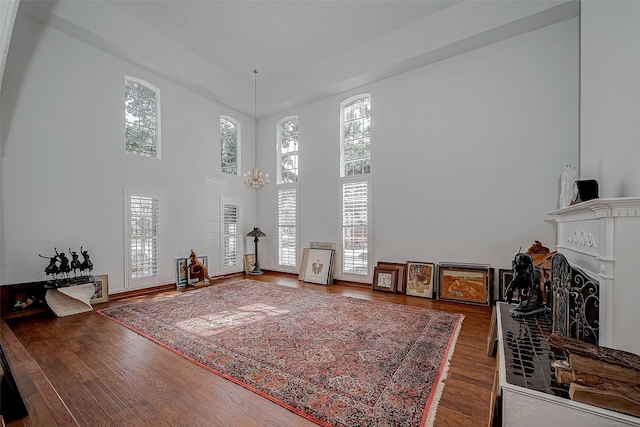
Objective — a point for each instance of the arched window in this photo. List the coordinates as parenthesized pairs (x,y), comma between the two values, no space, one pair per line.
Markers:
(288,150)
(355,138)
(141,117)
(229,147)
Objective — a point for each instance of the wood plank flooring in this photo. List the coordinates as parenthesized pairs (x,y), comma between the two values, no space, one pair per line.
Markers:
(108,375)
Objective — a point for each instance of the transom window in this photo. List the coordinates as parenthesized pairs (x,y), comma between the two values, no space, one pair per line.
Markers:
(229,135)
(288,150)
(142,118)
(356,136)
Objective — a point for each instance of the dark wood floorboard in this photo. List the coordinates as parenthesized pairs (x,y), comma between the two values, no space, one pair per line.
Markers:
(108,375)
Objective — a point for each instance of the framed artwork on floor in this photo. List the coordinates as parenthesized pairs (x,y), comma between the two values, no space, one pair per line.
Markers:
(249,263)
(181,272)
(318,266)
(420,279)
(467,283)
(504,278)
(101,293)
(303,264)
(384,279)
(401,269)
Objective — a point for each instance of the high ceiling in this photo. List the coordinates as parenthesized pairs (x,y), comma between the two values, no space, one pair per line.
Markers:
(304,50)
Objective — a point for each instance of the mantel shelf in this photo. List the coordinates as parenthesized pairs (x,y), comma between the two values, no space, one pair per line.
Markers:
(600,208)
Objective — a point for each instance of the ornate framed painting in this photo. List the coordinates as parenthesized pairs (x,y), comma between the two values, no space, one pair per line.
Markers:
(420,279)
(181,272)
(384,279)
(467,283)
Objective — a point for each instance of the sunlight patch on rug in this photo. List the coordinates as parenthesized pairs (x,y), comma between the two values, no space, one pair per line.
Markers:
(335,360)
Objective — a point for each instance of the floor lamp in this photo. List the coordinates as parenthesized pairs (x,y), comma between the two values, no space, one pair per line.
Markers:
(256,233)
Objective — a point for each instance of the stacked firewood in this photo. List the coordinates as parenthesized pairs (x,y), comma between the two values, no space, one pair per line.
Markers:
(599,376)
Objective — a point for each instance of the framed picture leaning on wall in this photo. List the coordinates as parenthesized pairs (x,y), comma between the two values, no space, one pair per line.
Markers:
(420,279)
(467,283)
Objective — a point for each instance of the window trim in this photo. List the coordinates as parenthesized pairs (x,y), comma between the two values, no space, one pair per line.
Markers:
(238,143)
(279,148)
(156,90)
(142,282)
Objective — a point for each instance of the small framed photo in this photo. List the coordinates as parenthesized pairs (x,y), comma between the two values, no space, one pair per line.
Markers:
(420,279)
(385,279)
(181,272)
(101,292)
(504,278)
(318,266)
(467,283)
(249,263)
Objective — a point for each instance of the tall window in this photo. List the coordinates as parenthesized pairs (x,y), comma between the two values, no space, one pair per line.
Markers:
(355,227)
(355,156)
(143,235)
(356,136)
(229,136)
(142,117)
(287,134)
(288,150)
(287,227)
(230,235)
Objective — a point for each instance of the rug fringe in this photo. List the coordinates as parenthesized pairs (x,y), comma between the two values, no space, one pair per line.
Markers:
(429,416)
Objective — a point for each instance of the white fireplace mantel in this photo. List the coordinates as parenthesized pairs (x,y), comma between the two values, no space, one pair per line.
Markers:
(602,237)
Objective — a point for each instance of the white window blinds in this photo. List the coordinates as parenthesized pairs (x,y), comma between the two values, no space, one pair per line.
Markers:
(355,227)
(287,227)
(231,238)
(144,232)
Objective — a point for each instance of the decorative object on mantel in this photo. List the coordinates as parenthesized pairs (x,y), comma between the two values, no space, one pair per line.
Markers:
(526,280)
(584,190)
(567,179)
(59,268)
(254,178)
(256,234)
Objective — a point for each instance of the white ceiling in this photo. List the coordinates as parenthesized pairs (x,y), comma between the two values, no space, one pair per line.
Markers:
(304,50)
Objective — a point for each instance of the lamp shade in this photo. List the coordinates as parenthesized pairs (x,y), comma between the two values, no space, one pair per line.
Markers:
(256,233)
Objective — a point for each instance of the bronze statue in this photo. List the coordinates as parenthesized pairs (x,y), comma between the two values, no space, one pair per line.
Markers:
(526,280)
(86,264)
(197,269)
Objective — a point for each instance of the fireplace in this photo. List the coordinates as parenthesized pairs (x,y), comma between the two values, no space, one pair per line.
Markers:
(600,241)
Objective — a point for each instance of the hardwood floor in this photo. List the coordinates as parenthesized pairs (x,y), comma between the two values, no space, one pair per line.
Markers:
(108,375)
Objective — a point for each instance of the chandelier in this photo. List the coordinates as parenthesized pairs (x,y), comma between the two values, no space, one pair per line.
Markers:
(255,178)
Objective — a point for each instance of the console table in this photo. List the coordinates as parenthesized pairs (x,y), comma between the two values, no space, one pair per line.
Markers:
(530,394)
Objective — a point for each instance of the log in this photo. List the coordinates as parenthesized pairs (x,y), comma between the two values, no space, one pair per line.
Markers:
(605,354)
(629,390)
(603,399)
(612,371)
(564,375)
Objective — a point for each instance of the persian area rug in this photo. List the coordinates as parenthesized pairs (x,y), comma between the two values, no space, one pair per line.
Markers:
(336,360)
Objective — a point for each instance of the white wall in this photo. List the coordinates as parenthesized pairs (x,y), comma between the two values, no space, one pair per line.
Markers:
(610,92)
(64,166)
(466,154)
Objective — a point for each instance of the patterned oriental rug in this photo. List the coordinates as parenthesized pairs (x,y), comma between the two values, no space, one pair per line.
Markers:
(335,360)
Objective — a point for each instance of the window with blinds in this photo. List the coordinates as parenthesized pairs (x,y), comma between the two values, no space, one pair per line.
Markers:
(231,239)
(355,227)
(141,117)
(229,131)
(144,234)
(287,227)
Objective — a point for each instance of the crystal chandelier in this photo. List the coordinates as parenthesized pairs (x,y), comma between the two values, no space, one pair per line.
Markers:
(255,178)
